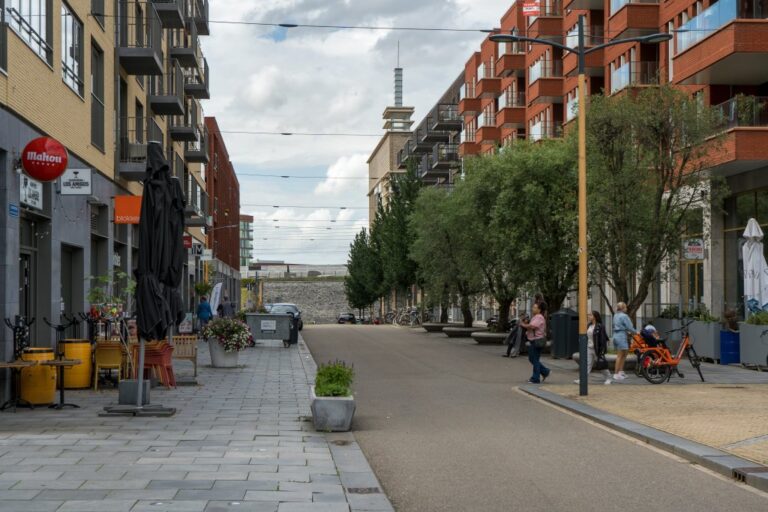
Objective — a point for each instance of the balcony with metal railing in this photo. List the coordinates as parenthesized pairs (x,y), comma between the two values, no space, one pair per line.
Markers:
(468,145)
(726,44)
(184,46)
(197,151)
(196,82)
(469,104)
(511,112)
(446,117)
(183,128)
(743,144)
(429,135)
(201,17)
(634,74)
(421,143)
(140,40)
(166,92)
(511,61)
(548,24)
(132,140)
(545,82)
(170,12)
(544,130)
(445,156)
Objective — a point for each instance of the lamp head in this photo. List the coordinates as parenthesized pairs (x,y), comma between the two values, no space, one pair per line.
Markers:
(504,38)
(657,38)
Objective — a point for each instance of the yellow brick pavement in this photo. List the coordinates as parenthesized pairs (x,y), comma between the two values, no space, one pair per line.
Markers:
(732,418)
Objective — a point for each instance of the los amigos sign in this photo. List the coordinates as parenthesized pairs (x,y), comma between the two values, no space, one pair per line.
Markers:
(44,159)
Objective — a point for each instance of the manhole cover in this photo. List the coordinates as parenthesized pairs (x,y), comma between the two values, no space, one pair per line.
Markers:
(363,490)
(729,387)
(341,443)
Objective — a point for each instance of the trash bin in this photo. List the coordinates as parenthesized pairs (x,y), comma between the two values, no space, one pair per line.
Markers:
(729,347)
(293,338)
(565,333)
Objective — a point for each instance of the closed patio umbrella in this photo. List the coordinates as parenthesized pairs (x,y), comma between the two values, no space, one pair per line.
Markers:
(160,262)
(755,269)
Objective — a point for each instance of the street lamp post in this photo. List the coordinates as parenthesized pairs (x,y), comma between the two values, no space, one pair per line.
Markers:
(581,52)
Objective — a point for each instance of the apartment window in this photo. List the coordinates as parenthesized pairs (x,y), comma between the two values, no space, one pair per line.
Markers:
(97,96)
(29,19)
(97,10)
(71,49)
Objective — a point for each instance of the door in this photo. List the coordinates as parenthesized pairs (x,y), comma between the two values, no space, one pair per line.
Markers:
(694,284)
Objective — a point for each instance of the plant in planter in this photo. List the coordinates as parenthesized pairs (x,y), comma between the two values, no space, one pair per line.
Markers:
(705,332)
(333,405)
(229,337)
(203,288)
(669,320)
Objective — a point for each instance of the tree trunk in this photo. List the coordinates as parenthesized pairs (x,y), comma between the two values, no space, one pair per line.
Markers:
(443,314)
(504,314)
(466,311)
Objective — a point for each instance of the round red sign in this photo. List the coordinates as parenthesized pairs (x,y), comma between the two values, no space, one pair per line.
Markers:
(44,159)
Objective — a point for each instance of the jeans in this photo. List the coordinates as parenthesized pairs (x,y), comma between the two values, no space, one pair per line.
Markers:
(539,370)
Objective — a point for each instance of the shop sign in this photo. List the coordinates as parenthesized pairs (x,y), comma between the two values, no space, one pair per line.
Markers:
(127,209)
(531,8)
(197,250)
(44,159)
(76,182)
(207,255)
(13,210)
(185,327)
(187,241)
(31,193)
(693,249)
(269,325)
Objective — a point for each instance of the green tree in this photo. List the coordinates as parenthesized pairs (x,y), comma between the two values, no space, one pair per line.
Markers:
(442,225)
(647,176)
(362,283)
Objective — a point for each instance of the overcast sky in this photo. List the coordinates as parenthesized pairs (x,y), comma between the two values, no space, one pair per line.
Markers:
(328,81)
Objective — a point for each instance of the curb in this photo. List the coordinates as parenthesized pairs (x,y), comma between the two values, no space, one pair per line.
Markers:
(361,486)
(731,466)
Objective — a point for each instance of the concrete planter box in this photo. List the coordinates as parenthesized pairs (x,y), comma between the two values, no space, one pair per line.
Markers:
(706,338)
(219,357)
(489,338)
(435,327)
(332,414)
(752,348)
(461,332)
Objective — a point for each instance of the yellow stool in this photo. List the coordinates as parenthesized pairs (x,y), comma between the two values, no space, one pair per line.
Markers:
(38,383)
(78,376)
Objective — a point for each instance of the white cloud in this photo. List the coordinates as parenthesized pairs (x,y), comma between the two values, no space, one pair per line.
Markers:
(329,81)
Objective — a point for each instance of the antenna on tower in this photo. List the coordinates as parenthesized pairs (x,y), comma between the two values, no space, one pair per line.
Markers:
(398,80)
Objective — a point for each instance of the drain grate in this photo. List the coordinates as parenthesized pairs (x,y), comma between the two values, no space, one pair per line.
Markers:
(363,490)
(341,443)
(740,474)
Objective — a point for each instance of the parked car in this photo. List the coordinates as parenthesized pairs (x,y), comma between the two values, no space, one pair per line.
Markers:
(347,318)
(282,309)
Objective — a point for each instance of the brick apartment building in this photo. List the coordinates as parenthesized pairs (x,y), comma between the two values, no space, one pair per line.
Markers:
(103,78)
(719,54)
(224,207)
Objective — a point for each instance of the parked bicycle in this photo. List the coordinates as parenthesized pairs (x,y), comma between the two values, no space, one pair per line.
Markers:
(657,363)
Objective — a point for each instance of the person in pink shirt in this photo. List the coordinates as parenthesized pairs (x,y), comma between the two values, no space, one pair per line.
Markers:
(536,333)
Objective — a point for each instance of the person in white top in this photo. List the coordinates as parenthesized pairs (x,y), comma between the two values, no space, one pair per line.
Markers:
(597,344)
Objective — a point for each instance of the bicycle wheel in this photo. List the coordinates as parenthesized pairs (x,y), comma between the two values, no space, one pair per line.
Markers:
(695,361)
(654,373)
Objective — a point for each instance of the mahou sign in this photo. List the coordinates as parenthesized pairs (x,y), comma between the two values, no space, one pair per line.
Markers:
(44,159)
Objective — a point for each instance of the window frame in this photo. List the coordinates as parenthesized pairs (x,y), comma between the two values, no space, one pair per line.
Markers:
(28,26)
(73,77)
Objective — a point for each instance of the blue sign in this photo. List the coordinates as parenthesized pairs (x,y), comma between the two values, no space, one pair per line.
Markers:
(13,210)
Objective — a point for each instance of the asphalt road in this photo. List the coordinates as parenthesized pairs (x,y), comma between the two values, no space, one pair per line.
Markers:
(445,429)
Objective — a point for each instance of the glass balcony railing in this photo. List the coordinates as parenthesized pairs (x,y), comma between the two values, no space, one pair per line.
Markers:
(616,5)
(572,108)
(545,130)
(743,111)
(545,69)
(634,73)
(509,99)
(711,19)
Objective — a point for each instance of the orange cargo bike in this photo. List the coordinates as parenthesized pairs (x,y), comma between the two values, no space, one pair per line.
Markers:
(657,363)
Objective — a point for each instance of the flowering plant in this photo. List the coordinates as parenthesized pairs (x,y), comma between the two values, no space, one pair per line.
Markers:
(231,334)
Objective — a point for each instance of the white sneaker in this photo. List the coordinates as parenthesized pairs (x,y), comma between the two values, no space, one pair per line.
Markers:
(607,382)
(623,374)
(577,381)
(607,374)
(618,376)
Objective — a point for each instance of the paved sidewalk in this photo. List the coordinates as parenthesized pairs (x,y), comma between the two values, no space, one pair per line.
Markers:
(242,440)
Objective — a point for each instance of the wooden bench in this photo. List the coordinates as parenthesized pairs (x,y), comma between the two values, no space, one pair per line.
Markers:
(185,347)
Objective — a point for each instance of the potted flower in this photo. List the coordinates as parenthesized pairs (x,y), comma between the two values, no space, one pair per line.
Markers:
(753,347)
(333,405)
(226,337)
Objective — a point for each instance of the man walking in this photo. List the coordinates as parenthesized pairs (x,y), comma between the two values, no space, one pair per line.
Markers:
(204,312)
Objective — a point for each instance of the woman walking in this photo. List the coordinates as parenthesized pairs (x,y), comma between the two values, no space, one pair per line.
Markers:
(597,344)
(622,326)
(536,333)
